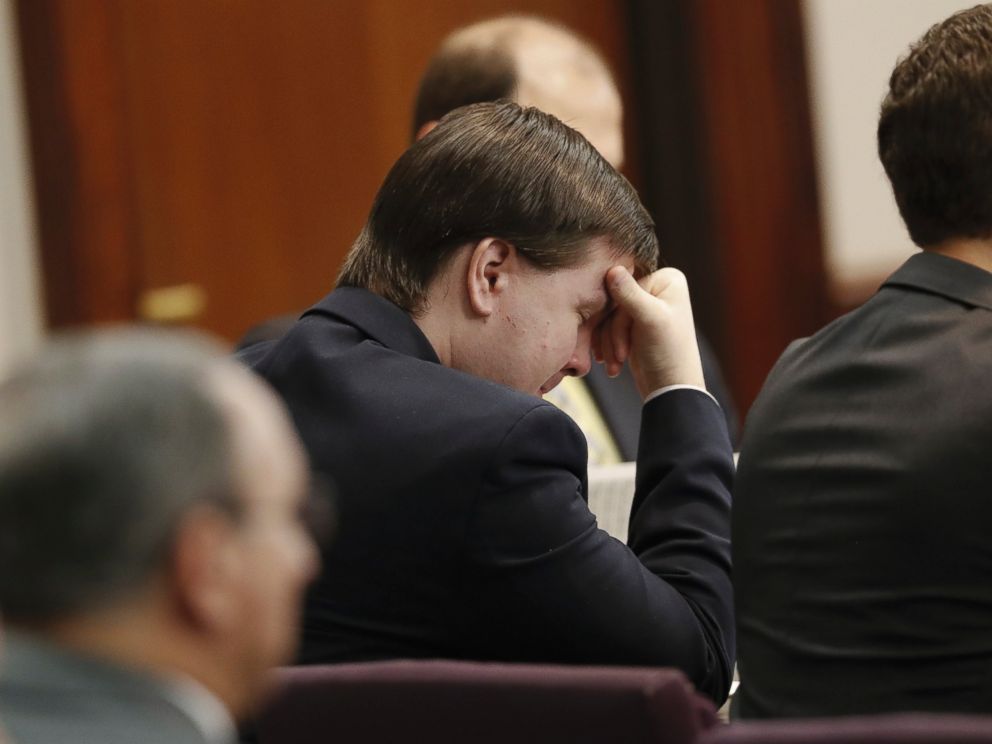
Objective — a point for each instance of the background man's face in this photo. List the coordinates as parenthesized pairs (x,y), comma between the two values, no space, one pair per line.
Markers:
(546,319)
(276,555)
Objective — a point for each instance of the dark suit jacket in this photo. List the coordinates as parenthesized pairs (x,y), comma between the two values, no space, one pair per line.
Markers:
(464,531)
(862,512)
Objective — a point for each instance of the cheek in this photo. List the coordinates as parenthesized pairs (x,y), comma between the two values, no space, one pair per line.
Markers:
(284,564)
(551,344)
(565,339)
(283,570)
(294,561)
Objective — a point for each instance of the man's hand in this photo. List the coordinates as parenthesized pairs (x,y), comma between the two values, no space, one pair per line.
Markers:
(652,328)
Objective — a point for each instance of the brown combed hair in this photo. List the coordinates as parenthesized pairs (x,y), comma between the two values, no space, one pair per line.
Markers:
(502,171)
(935,130)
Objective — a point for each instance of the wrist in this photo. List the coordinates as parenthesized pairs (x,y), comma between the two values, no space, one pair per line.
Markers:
(669,388)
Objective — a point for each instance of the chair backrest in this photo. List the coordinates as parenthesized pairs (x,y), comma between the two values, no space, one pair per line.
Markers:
(903,728)
(448,701)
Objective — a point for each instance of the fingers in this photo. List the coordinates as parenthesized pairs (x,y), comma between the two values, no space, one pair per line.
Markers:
(652,329)
(619,334)
(638,297)
(603,348)
(611,341)
(597,344)
(624,289)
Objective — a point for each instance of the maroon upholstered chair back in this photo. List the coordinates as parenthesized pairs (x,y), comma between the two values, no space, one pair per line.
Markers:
(904,728)
(463,702)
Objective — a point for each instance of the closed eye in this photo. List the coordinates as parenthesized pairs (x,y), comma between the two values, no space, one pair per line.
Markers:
(596,311)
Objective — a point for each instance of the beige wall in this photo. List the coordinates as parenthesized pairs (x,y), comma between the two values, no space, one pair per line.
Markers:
(853,46)
(20,301)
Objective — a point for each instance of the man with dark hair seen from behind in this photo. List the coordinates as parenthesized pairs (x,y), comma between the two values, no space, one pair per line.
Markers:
(862,559)
(500,251)
(152,557)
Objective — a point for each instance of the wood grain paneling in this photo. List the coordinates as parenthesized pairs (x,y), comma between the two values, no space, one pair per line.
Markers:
(234,146)
(80,160)
(730,172)
(762,179)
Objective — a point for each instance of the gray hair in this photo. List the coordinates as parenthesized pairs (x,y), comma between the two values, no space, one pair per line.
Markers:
(106,439)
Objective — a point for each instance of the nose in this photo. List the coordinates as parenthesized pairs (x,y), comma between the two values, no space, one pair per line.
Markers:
(580,362)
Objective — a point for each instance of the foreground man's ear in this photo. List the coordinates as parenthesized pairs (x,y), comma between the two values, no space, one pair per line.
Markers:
(489,264)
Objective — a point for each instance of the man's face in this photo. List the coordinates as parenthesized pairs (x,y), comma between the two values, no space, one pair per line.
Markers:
(275,556)
(546,319)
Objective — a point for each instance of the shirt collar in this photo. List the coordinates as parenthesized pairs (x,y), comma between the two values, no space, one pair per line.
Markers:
(949,277)
(202,707)
(378,318)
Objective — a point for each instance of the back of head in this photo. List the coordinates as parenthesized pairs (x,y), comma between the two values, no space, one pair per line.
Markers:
(105,440)
(502,171)
(935,131)
(472,65)
(533,62)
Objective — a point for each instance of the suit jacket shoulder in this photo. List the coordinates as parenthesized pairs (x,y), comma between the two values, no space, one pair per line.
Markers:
(51,695)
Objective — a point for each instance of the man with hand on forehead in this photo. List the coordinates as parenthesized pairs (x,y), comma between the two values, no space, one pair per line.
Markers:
(536,62)
(499,257)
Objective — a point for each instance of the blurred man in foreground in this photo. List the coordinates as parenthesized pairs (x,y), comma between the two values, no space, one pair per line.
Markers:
(152,556)
(499,253)
(862,559)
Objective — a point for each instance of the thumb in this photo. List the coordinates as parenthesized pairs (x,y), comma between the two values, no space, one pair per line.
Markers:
(626,292)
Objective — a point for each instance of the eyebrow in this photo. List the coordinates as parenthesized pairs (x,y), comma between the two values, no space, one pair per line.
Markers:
(600,302)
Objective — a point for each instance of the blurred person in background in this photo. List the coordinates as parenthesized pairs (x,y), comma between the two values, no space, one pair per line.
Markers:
(153,558)
(861,521)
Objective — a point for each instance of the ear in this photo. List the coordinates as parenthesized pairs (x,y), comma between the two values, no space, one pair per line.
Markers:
(424,130)
(489,267)
(206,572)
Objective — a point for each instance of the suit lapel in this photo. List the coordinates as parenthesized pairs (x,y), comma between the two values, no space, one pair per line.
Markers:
(947,277)
(378,318)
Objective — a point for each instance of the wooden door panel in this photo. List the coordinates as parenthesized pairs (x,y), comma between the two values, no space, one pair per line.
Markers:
(234,145)
(250,149)
(74,96)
